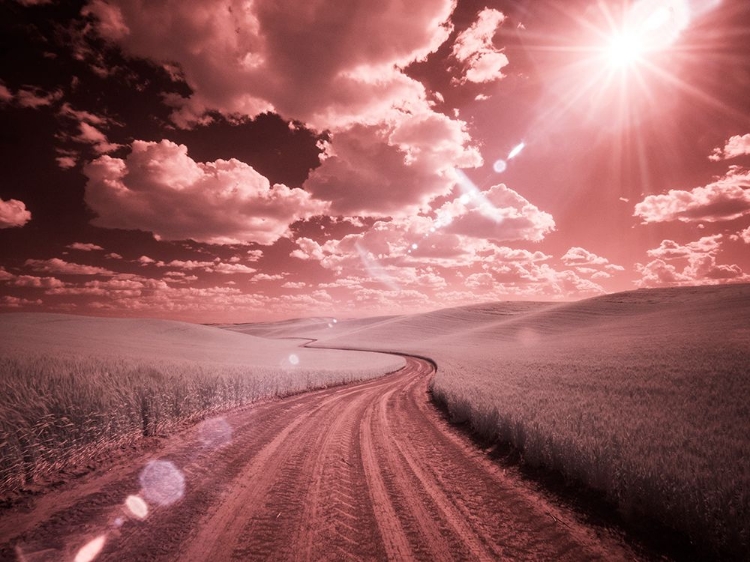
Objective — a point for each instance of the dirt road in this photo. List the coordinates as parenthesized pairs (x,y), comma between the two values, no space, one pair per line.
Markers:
(369,471)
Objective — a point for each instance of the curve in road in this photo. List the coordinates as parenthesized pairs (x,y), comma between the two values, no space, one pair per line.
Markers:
(369,471)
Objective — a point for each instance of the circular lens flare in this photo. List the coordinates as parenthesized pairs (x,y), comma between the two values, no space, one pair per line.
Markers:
(162,482)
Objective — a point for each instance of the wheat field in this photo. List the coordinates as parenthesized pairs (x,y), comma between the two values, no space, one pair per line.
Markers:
(642,395)
(75,388)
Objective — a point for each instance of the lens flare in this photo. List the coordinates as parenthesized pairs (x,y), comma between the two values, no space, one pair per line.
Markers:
(516,150)
(293,359)
(136,506)
(91,549)
(214,433)
(374,269)
(500,166)
(162,483)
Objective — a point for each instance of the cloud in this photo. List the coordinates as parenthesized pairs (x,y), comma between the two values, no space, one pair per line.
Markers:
(13,213)
(34,98)
(38,282)
(498,213)
(6,96)
(84,247)
(158,188)
(669,249)
(254,255)
(393,170)
(727,198)
(89,127)
(93,136)
(66,162)
(216,266)
(389,153)
(589,264)
(307,249)
(410,255)
(231,268)
(266,277)
(83,116)
(700,266)
(61,267)
(743,235)
(17,302)
(245,59)
(579,256)
(481,61)
(5,275)
(734,147)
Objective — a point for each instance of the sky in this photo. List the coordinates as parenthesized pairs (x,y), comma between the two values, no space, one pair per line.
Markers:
(226,161)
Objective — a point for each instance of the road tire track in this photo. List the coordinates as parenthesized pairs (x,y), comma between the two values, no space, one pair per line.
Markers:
(368,471)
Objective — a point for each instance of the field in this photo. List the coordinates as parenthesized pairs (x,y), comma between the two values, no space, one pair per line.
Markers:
(641,395)
(75,388)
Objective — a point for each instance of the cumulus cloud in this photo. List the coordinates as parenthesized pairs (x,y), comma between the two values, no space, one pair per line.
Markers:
(499,213)
(215,266)
(84,247)
(267,277)
(699,259)
(13,213)
(62,267)
(411,254)
(743,235)
(725,199)
(390,152)
(669,249)
(16,302)
(738,145)
(244,58)
(112,288)
(158,188)
(578,256)
(393,170)
(254,255)
(473,48)
(37,282)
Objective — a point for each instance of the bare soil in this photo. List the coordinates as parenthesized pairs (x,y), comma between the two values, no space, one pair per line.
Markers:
(370,471)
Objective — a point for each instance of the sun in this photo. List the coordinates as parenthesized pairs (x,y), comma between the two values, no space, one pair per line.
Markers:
(624,50)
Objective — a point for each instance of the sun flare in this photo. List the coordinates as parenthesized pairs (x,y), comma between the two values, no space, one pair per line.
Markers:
(624,49)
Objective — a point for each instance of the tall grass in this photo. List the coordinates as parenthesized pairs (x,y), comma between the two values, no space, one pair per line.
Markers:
(643,395)
(60,411)
(658,444)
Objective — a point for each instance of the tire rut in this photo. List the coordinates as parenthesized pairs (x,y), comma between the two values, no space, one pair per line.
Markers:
(368,471)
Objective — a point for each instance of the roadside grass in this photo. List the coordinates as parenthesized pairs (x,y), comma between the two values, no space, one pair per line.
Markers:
(644,396)
(61,408)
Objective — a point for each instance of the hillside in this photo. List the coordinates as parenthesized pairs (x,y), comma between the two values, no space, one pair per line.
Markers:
(642,394)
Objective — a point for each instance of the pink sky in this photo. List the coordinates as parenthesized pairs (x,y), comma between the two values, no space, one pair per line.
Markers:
(229,161)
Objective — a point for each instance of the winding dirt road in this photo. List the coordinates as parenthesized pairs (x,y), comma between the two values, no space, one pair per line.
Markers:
(368,471)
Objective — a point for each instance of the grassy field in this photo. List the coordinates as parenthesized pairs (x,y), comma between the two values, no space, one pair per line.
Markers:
(74,388)
(643,395)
